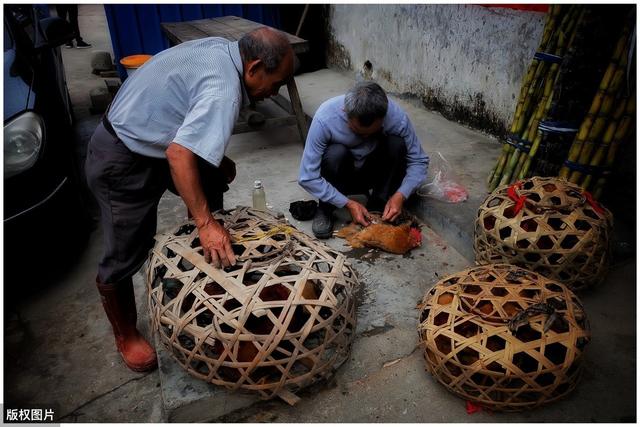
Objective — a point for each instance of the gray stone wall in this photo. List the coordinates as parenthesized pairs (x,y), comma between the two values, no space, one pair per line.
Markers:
(466,61)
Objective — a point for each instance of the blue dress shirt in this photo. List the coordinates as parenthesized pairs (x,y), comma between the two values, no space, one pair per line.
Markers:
(330,126)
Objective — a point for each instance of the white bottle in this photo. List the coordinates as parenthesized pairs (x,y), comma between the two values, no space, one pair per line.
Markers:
(259,199)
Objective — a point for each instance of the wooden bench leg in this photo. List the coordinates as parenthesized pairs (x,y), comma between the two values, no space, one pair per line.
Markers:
(297,109)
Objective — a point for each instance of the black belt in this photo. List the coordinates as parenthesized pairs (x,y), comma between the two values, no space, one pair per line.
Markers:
(108,127)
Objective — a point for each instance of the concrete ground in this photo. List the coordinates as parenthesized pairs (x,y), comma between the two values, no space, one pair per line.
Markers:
(59,348)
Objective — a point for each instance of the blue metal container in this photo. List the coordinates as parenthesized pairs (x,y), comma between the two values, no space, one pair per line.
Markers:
(135,28)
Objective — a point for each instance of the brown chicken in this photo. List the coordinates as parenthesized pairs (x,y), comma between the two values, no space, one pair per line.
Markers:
(247,351)
(397,239)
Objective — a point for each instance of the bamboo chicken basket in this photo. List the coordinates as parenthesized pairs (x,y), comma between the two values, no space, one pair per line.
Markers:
(503,337)
(546,225)
(279,320)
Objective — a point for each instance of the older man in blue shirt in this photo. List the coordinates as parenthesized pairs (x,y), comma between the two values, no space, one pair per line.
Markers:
(361,143)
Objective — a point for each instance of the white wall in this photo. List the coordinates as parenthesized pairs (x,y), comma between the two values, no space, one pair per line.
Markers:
(464,60)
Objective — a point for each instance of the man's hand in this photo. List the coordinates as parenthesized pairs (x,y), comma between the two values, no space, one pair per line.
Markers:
(216,243)
(393,208)
(228,168)
(215,240)
(359,213)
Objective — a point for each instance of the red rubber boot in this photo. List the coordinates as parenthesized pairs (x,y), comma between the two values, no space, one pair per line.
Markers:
(119,303)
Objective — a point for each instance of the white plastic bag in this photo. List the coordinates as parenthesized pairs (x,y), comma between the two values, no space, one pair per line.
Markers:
(445,185)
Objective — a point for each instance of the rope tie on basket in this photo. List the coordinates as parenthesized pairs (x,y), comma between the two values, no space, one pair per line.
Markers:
(285,229)
(550,307)
(518,199)
(593,202)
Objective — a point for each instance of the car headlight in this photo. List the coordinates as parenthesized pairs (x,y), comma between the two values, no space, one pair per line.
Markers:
(22,143)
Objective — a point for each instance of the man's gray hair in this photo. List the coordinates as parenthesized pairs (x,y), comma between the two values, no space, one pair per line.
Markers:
(366,101)
(266,44)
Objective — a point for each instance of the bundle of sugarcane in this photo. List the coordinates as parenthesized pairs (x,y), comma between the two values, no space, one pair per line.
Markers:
(534,71)
(529,138)
(578,78)
(616,133)
(580,75)
(599,117)
(536,92)
(568,83)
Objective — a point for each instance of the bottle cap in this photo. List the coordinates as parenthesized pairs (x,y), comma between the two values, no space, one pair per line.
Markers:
(257,183)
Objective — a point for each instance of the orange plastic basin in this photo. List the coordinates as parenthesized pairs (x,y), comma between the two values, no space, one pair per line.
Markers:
(134,61)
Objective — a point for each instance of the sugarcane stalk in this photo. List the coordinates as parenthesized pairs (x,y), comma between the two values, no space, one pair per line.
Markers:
(516,171)
(534,134)
(524,170)
(527,164)
(622,132)
(601,121)
(523,94)
(606,140)
(519,116)
(613,149)
(594,136)
(608,85)
(616,131)
(515,154)
(497,171)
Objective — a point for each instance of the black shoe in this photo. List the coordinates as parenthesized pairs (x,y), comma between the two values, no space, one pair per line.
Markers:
(322,226)
(81,44)
(69,45)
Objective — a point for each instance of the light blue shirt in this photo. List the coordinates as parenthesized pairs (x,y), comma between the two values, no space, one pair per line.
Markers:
(190,94)
(330,126)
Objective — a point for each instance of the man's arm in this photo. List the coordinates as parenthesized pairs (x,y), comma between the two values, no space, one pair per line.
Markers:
(417,164)
(417,160)
(311,180)
(215,240)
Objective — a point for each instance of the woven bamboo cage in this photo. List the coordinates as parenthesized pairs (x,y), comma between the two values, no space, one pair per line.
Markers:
(279,320)
(503,337)
(546,225)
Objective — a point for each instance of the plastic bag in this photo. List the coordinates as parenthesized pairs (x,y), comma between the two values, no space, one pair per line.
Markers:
(444,186)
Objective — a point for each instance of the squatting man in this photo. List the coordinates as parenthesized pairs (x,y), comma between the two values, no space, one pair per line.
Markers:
(361,143)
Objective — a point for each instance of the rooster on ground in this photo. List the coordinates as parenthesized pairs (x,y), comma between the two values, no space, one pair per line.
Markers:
(398,237)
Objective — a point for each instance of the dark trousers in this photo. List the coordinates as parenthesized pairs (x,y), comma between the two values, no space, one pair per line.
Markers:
(128,188)
(70,11)
(378,178)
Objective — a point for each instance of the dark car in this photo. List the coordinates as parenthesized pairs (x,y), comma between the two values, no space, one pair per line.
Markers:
(42,196)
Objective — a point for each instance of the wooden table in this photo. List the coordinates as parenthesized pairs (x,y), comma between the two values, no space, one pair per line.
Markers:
(233,28)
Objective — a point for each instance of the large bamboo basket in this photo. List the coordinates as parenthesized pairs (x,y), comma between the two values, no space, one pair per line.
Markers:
(281,319)
(470,348)
(546,225)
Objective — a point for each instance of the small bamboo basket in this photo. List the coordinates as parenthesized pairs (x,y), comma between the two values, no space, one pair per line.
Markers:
(546,225)
(488,339)
(279,320)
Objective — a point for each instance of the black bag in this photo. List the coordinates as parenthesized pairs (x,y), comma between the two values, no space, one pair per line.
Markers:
(303,210)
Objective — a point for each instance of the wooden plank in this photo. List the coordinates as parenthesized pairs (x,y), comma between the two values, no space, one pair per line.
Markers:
(283,103)
(179,32)
(297,108)
(230,27)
